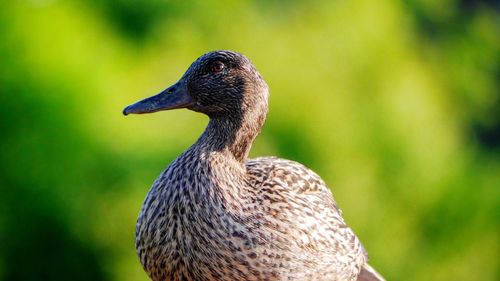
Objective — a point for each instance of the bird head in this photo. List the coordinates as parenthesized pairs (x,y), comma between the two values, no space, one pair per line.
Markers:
(218,84)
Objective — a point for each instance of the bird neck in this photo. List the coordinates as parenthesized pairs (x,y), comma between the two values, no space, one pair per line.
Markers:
(232,136)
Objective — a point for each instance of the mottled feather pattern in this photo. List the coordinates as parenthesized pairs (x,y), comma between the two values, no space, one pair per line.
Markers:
(213,214)
(269,228)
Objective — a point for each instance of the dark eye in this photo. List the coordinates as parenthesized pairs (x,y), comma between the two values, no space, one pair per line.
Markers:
(217,66)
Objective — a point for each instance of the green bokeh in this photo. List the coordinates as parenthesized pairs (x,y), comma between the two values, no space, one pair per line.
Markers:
(396,104)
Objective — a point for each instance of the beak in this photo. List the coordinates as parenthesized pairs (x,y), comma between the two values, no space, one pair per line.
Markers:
(176,96)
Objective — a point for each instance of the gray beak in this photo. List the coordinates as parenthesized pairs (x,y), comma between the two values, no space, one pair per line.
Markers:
(176,96)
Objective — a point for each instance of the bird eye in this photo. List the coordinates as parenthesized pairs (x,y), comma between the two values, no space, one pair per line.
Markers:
(217,67)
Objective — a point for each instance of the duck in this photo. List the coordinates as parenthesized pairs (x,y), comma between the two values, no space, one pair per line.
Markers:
(215,214)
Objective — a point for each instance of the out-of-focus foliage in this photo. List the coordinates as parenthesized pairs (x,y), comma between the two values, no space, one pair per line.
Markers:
(395,104)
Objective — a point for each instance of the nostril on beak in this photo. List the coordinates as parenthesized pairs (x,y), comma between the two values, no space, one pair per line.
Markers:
(171,90)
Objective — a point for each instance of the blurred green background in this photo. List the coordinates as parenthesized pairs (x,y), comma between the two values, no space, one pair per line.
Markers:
(396,104)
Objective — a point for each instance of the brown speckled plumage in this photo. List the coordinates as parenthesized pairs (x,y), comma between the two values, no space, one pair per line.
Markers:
(213,214)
